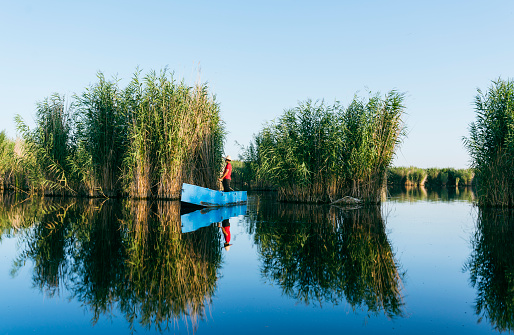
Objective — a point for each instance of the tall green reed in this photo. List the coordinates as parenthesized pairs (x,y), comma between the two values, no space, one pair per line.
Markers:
(6,160)
(44,151)
(102,126)
(410,176)
(176,136)
(143,140)
(413,176)
(491,144)
(319,153)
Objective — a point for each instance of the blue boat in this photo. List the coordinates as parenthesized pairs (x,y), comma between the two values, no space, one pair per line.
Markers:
(205,217)
(205,197)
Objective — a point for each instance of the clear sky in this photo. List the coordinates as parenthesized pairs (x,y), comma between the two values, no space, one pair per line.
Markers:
(262,57)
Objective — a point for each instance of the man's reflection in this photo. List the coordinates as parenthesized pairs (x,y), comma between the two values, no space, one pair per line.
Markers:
(225,228)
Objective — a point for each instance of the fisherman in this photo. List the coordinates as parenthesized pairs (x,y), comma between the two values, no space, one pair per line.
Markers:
(227,175)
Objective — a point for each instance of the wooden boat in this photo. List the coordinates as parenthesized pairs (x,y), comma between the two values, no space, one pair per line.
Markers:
(205,217)
(205,197)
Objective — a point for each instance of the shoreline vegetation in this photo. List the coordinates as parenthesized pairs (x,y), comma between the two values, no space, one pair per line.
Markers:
(319,153)
(431,177)
(396,176)
(142,141)
(491,144)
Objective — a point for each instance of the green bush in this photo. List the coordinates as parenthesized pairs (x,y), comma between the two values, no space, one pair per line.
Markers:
(429,177)
(491,144)
(318,153)
(143,141)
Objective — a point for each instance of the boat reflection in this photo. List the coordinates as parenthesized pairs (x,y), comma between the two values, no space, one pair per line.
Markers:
(491,267)
(205,217)
(323,254)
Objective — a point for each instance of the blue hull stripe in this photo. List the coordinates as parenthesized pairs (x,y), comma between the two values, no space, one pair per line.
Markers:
(210,198)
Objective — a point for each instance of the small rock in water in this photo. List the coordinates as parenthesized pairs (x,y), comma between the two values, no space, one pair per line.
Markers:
(347,201)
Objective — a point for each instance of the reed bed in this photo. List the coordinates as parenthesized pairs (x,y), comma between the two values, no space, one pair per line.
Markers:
(141,141)
(320,153)
(413,176)
(6,161)
(176,136)
(102,124)
(408,176)
(491,144)
(42,154)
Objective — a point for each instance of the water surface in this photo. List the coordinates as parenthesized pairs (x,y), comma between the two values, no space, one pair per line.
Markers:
(423,262)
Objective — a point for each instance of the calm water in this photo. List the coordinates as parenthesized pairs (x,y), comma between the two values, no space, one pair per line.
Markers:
(424,262)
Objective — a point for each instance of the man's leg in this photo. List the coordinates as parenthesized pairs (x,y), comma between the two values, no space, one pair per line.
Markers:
(226,185)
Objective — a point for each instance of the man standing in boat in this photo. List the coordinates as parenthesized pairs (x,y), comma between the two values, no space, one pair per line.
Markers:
(227,175)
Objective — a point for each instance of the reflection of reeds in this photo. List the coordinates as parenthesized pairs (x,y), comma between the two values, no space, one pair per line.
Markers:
(323,254)
(434,177)
(372,265)
(491,267)
(413,194)
(17,212)
(130,256)
(99,254)
(171,276)
(47,243)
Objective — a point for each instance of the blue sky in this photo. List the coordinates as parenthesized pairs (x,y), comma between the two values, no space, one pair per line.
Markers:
(260,58)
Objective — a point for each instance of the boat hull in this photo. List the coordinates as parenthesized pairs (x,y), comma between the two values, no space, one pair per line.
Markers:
(202,196)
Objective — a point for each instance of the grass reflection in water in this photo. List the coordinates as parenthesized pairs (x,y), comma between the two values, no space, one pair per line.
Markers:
(128,256)
(491,267)
(433,194)
(323,254)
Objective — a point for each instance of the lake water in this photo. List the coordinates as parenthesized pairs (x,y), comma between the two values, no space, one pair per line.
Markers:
(423,262)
